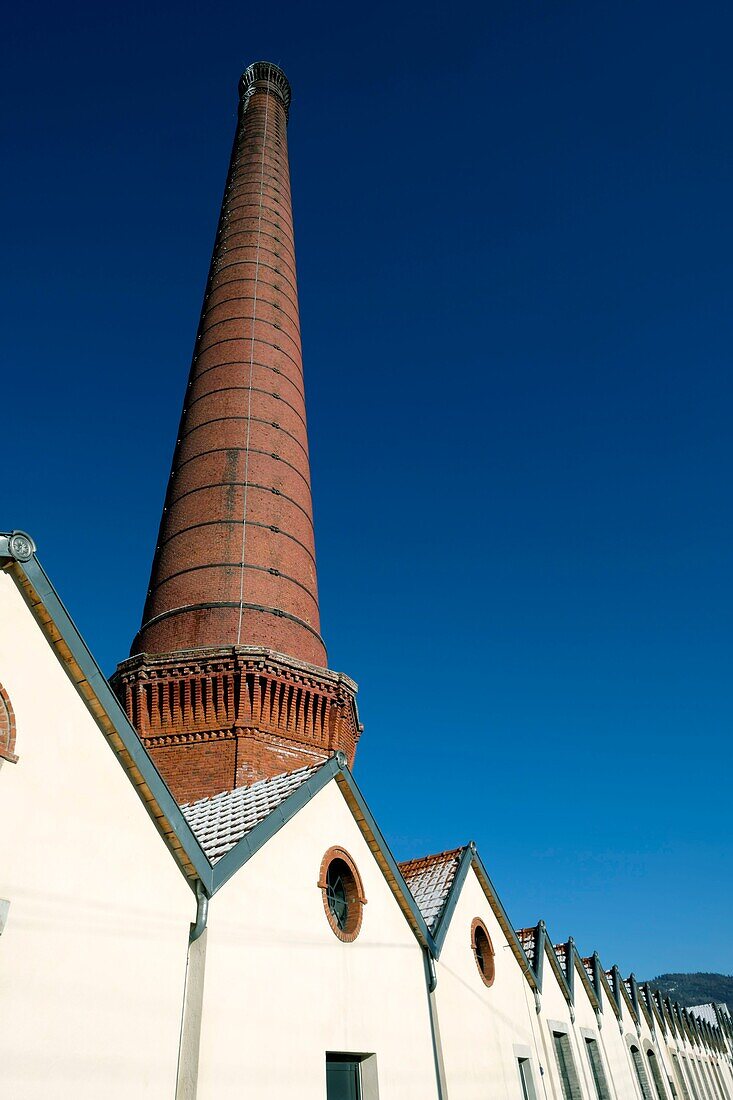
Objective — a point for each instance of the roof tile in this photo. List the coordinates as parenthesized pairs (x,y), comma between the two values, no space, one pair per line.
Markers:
(430,879)
(221,821)
(528,939)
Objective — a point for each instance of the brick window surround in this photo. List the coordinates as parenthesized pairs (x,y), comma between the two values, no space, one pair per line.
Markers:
(354,893)
(7,728)
(483,951)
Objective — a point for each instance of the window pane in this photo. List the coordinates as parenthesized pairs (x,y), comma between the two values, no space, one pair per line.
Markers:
(597,1071)
(680,1077)
(525,1076)
(656,1075)
(691,1077)
(342,1080)
(566,1067)
(641,1076)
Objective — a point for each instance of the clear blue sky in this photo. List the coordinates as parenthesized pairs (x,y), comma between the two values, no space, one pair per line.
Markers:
(515,254)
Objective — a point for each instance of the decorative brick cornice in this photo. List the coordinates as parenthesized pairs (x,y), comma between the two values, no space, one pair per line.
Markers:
(244,694)
(235,560)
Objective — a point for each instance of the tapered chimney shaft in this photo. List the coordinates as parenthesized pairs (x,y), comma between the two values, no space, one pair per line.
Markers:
(235,561)
(227,680)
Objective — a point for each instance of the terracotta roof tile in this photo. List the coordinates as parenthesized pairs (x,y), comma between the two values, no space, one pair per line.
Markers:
(561,952)
(528,939)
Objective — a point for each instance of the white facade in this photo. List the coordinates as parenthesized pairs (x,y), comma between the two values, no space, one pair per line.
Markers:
(101,995)
(293,990)
(93,953)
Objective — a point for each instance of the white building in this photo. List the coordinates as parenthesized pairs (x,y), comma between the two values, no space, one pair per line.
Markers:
(154,951)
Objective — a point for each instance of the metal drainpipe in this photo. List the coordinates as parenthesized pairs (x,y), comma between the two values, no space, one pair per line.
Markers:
(186,1087)
(431,981)
(202,912)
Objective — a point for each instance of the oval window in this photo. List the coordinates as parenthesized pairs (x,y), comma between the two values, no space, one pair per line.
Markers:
(483,951)
(343,894)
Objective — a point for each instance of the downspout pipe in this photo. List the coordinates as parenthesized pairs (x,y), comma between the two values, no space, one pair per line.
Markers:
(202,912)
(430,975)
(431,981)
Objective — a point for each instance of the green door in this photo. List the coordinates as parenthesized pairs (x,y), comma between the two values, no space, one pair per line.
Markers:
(342,1080)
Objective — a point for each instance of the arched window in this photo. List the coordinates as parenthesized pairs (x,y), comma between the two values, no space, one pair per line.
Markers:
(656,1075)
(641,1075)
(7,728)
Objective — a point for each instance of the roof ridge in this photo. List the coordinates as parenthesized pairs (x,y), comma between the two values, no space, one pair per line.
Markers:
(449,853)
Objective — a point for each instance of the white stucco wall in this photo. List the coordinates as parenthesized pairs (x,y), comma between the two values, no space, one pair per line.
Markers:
(587,1026)
(555,1009)
(93,957)
(280,989)
(614,1046)
(480,1025)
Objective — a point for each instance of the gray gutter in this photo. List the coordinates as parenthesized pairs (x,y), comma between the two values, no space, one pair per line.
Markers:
(202,912)
(421,929)
(501,915)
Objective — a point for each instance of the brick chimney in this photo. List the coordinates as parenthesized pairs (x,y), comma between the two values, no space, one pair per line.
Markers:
(227,680)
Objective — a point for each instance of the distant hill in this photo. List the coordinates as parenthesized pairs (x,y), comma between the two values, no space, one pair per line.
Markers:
(696,989)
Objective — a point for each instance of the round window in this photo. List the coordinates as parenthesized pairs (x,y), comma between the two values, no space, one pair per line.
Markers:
(343,894)
(483,951)
(7,728)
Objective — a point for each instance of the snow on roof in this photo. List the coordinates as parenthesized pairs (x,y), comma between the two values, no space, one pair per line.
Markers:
(430,879)
(222,820)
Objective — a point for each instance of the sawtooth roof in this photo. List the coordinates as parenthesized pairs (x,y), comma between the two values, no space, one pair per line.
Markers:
(220,821)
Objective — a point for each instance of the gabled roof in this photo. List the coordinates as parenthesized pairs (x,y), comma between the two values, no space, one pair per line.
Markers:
(561,954)
(530,940)
(18,559)
(589,962)
(709,1012)
(233,828)
(577,965)
(438,880)
(599,980)
(430,879)
(221,821)
(535,944)
(623,990)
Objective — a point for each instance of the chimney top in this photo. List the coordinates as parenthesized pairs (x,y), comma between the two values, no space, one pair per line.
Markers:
(268,75)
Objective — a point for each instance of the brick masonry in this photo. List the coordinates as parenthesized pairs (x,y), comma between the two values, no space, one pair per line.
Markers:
(235,559)
(227,681)
(223,717)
